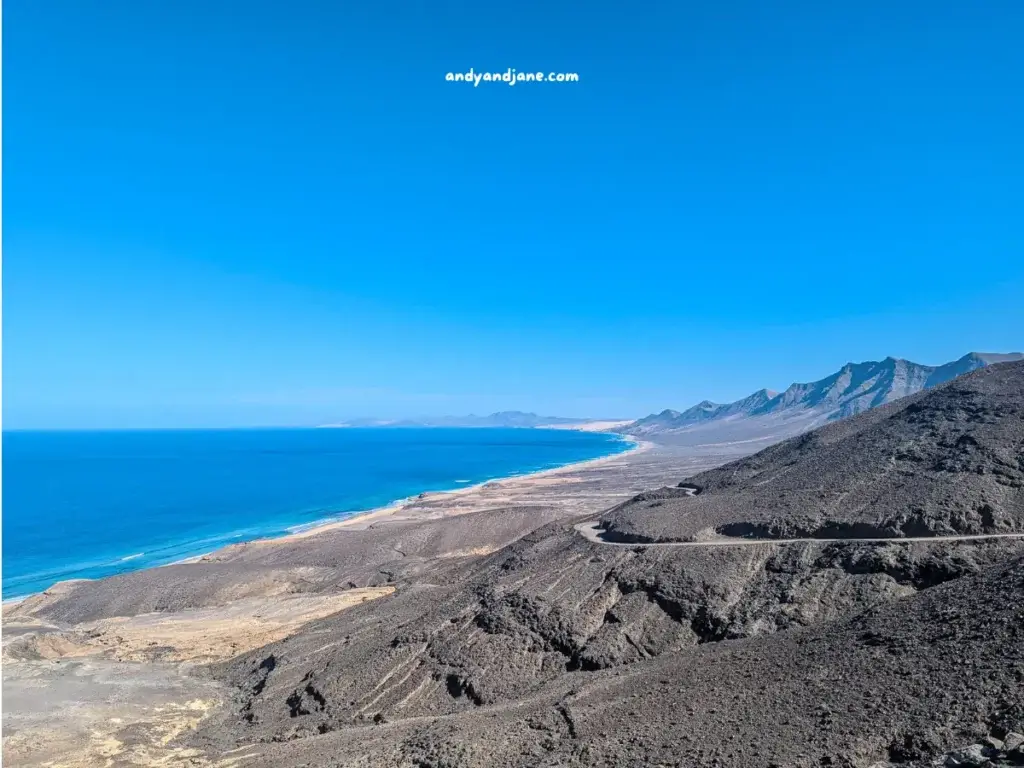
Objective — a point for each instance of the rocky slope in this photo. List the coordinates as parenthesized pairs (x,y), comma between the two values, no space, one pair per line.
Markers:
(559,650)
(942,462)
(930,679)
(553,606)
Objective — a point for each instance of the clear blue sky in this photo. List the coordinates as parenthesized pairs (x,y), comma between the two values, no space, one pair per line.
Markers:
(228,213)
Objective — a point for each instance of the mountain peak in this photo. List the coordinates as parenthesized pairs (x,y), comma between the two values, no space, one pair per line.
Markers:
(853,388)
(992,358)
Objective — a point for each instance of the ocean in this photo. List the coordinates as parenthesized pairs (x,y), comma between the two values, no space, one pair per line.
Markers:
(93,504)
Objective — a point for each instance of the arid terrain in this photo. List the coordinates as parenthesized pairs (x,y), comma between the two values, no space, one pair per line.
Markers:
(850,597)
(113,672)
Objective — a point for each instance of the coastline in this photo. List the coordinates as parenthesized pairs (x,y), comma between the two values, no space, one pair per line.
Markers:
(401,509)
(393,511)
(370,516)
(149,630)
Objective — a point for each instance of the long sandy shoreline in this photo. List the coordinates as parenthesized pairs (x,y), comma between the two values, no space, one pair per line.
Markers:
(407,509)
(394,510)
(116,655)
(411,508)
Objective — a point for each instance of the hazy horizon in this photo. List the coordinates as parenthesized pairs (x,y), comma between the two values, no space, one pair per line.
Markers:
(429,416)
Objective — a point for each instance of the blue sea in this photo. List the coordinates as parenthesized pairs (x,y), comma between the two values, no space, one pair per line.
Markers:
(93,504)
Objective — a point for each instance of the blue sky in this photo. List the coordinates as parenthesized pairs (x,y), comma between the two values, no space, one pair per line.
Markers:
(226,213)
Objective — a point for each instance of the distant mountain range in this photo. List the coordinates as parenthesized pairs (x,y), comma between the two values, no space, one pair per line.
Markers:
(500,419)
(762,416)
(766,415)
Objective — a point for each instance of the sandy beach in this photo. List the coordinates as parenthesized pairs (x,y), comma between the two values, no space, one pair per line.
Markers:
(483,617)
(488,494)
(138,637)
(410,507)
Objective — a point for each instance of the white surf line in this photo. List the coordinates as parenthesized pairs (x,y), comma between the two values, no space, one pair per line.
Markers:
(591,532)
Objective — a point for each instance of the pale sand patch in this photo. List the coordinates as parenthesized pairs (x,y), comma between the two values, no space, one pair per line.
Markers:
(116,692)
(592,426)
(88,736)
(197,635)
(475,552)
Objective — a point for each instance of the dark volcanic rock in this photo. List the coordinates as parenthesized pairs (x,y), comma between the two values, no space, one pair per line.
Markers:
(545,609)
(557,650)
(943,462)
(905,683)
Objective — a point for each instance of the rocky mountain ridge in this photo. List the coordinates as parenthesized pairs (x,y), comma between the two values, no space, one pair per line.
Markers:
(854,388)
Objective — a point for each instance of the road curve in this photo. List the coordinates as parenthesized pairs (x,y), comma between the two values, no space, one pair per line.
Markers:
(591,532)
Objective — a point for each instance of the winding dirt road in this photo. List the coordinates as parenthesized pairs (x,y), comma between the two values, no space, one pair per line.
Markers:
(591,532)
